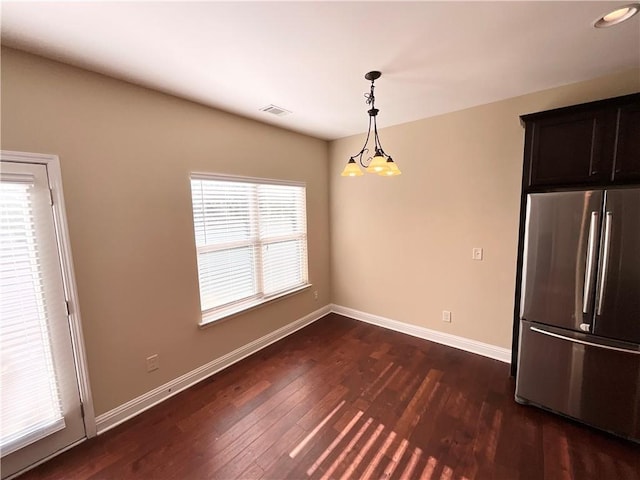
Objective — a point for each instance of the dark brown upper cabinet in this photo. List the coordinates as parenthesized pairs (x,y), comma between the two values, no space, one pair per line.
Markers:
(627,150)
(591,144)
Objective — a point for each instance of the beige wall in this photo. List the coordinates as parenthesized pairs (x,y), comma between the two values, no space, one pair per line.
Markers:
(401,246)
(126,153)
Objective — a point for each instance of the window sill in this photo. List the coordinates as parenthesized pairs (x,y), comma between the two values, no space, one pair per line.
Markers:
(213,319)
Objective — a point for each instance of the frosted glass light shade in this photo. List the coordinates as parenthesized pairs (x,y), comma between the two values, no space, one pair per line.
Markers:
(378,165)
(392,169)
(351,169)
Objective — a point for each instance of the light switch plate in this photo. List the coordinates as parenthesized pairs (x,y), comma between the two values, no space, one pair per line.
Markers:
(477,253)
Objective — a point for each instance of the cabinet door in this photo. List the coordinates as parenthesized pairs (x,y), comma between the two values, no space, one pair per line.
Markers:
(570,149)
(627,152)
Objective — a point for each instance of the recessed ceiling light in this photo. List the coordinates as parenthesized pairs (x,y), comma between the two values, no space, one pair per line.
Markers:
(618,15)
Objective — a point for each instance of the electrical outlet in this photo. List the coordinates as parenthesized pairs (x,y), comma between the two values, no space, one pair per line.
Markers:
(476,254)
(153,363)
(315,294)
(446,316)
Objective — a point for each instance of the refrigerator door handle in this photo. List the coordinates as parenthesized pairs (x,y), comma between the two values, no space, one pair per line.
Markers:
(584,342)
(590,263)
(608,218)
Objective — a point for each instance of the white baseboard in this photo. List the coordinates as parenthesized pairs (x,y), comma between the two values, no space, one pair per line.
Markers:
(124,412)
(473,346)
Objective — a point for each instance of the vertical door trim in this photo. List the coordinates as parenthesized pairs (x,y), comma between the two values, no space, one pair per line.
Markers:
(52,163)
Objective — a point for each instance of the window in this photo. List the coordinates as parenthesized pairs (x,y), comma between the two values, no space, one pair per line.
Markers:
(251,240)
(41,362)
(26,351)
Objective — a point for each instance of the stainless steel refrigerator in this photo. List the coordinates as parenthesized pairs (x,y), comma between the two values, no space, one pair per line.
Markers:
(579,350)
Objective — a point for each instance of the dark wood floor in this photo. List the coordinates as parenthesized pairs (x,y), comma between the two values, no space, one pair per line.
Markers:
(344,399)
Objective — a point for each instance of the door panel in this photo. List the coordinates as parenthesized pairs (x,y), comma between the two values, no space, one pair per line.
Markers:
(41,408)
(618,287)
(598,384)
(627,152)
(571,148)
(561,241)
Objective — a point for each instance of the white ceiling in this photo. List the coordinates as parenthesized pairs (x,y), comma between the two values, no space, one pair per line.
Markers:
(311,57)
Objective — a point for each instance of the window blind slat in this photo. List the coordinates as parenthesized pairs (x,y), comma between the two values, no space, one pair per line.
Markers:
(251,240)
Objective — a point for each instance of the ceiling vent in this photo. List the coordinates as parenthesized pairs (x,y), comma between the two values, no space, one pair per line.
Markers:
(277,111)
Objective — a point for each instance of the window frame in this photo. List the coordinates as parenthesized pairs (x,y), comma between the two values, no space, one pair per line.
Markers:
(219,313)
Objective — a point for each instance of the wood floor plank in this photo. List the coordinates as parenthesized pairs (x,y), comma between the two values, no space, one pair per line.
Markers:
(346,400)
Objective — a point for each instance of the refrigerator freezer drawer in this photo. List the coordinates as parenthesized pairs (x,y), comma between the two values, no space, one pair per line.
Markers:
(594,381)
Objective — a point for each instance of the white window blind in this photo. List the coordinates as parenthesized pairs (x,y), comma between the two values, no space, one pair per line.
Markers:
(31,401)
(251,241)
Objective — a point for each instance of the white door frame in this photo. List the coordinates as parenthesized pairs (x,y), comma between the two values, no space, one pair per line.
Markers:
(54,176)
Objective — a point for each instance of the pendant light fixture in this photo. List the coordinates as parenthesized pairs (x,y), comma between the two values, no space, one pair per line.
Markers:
(380,163)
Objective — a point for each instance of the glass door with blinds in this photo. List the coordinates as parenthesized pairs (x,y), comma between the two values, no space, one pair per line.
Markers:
(39,400)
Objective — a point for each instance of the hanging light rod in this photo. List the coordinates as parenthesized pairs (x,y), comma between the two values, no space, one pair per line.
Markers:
(380,163)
